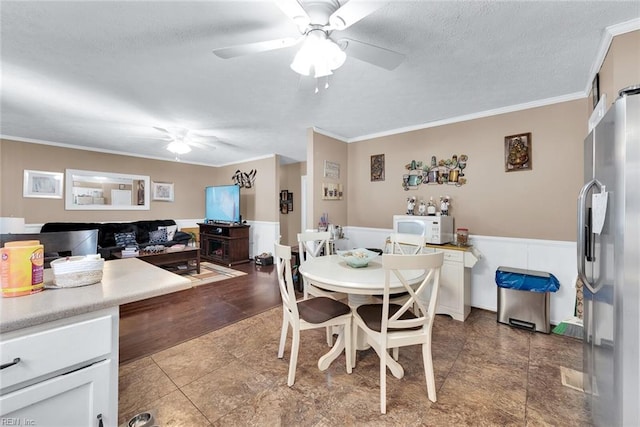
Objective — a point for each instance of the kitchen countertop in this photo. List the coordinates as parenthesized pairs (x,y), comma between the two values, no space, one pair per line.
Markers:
(123,281)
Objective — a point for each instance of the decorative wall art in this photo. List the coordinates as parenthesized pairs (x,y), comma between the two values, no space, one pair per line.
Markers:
(42,184)
(286,201)
(595,90)
(517,152)
(162,191)
(377,167)
(244,179)
(331,169)
(446,171)
(331,191)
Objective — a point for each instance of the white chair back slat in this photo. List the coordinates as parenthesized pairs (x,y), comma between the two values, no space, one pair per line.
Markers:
(285,278)
(312,243)
(407,244)
(426,290)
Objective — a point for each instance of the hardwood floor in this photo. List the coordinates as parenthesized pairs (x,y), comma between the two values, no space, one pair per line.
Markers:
(152,325)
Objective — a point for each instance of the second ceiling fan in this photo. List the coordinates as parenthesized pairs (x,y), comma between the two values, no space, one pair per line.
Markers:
(321,51)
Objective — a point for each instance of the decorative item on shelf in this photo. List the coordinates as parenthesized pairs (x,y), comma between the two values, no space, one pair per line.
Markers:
(444,205)
(411,204)
(422,209)
(331,191)
(462,236)
(444,171)
(324,222)
(431,207)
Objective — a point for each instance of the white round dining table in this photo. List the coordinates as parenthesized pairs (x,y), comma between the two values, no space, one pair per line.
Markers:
(360,284)
(333,274)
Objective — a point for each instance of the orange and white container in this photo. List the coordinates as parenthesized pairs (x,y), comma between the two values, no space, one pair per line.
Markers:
(22,268)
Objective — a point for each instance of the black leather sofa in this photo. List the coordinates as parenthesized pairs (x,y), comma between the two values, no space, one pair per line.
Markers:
(107,230)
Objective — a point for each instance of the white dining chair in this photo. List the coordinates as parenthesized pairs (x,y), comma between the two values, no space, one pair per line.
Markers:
(403,244)
(389,326)
(312,244)
(312,313)
(406,244)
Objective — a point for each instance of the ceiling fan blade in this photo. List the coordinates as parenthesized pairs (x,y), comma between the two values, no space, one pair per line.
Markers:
(376,55)
(294,10)
(352,12)
(163,130)
(248,48)
(201,145)
(155,138)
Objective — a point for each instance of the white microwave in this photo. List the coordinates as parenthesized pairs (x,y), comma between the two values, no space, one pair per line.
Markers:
(438,230)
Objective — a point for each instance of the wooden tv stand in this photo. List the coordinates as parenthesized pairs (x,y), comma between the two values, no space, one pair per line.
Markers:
(224,244)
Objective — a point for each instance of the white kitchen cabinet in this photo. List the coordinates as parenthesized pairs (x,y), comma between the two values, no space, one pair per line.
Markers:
(454,298)
(67,373)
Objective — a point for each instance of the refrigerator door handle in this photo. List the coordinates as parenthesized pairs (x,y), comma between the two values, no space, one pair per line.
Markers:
(585,236)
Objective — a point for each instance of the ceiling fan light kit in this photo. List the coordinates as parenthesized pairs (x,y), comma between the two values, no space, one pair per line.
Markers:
(318,54)
(178,147)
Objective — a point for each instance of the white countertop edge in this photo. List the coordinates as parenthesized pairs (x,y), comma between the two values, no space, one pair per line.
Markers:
(55,313)
(115,290)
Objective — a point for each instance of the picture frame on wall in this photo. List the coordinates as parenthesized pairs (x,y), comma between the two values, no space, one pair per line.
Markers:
(595,90)
(42,184)
(162,191)
(517,152)
(377,167)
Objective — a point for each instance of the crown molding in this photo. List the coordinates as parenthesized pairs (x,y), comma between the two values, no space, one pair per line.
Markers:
(473,116)
(605,43)
(97,150)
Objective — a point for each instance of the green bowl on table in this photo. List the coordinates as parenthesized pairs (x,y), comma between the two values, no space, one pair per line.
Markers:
(357,258)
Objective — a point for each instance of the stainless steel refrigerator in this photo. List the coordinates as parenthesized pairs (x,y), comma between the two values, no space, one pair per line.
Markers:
(608,263)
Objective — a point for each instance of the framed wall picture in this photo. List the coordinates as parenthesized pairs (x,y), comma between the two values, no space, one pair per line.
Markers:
(162,191)
(42,184)
(517,152)
(595,90)
(331,169)
(377,167)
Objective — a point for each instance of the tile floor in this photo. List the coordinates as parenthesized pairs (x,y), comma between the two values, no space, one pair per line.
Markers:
(486,374)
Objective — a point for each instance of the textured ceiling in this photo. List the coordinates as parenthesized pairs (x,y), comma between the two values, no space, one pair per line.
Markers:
(101,75)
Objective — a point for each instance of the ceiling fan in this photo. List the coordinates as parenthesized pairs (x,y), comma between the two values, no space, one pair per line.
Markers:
(181,140)
(321,51)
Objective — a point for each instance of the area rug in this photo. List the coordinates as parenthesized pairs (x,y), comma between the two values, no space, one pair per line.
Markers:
(210,273)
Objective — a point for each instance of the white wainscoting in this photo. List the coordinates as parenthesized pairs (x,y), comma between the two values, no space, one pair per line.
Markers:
(555,257)
(262,234)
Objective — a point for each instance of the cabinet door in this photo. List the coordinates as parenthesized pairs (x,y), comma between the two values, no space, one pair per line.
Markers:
(73,399)
(451,284)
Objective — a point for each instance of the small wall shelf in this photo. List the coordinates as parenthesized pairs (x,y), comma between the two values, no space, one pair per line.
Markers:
(331,191)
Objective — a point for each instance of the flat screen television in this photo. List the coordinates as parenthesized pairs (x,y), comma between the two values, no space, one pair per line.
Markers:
(222,203)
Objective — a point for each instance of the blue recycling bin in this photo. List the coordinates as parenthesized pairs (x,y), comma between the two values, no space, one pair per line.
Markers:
(524,298)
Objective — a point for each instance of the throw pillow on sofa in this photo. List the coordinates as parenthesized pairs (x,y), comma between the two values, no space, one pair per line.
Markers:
(171,231)
(159,236)
(126,239)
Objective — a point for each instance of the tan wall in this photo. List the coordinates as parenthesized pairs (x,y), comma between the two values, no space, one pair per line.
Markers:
(621,67)
(189,183)
(290,224)
(319,149)
(539,203)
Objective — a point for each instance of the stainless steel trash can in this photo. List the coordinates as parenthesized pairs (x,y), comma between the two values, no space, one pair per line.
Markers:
(524,298)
